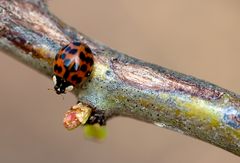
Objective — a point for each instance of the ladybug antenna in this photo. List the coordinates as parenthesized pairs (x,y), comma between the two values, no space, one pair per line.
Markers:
(50,89)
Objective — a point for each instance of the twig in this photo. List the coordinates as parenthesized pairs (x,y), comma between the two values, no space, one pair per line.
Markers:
(122,85)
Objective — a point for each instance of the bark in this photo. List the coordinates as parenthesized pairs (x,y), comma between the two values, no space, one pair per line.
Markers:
(121,85)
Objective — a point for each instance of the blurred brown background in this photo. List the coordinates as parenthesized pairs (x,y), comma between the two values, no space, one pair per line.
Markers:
(200,38)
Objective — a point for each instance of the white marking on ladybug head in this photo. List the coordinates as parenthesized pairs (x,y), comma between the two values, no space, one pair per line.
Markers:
(54,80)
(69,88)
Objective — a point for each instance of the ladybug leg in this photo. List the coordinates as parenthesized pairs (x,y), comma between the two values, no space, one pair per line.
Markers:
(97,116)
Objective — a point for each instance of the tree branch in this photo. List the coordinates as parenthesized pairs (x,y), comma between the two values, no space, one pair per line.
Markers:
(122,85)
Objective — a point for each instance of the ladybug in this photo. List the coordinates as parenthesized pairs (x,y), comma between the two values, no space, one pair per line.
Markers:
(72,66)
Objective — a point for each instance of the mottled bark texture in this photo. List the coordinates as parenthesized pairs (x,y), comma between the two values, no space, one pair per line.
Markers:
(122,85)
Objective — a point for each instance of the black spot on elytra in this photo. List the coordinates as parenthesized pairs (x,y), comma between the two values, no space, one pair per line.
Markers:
(89,60)
(57,68)
(63,56)
(73,51)
(76,43)
(83,68)
(82,56)
(88,50)
(76,78)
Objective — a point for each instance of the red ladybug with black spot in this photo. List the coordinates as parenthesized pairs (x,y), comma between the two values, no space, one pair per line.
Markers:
(72,66)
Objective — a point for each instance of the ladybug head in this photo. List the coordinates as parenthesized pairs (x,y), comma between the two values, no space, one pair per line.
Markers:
(61,86)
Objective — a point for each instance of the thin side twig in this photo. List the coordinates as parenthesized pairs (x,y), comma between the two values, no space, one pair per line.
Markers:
(122,85)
